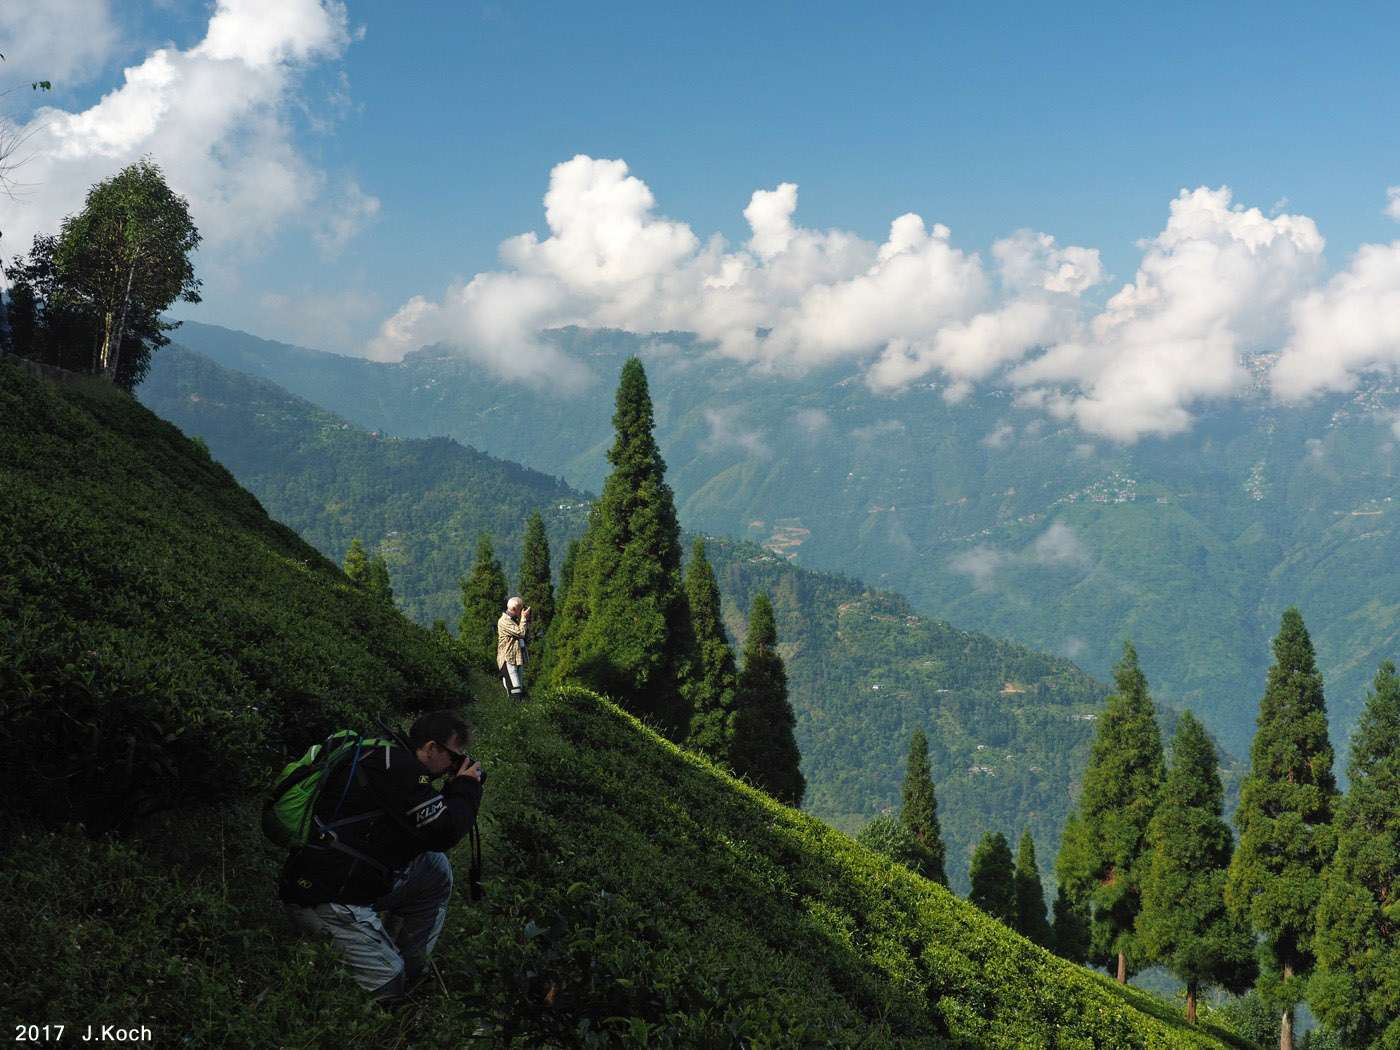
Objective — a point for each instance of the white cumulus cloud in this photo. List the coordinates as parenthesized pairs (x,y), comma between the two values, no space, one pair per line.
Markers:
(215,117)
(65,41)
(1216,282)
(1348,327)
(788,298)
(1220,282)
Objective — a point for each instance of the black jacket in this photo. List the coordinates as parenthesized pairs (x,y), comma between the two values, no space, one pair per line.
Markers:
(401,816)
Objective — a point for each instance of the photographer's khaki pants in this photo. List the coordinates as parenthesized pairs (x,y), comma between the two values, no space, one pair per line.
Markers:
(382,954)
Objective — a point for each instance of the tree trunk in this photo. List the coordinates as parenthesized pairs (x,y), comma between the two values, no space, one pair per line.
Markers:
(1285,1032)
(1122,968)
(112,339)
(1191,1002)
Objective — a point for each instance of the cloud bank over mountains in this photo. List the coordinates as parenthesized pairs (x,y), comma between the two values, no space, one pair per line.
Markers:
(226,117)
(1220,281)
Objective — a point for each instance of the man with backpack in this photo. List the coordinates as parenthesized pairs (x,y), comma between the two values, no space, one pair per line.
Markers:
(380,829)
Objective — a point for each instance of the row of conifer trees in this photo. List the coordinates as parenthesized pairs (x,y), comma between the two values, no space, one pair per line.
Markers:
(1304,907)
(631,622)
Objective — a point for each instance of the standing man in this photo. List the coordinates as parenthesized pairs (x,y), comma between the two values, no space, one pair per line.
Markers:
(511,630)
(385,854)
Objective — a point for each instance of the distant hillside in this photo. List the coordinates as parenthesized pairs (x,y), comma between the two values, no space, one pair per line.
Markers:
(994,518)
(1009,729)
(419,503)
(156,619)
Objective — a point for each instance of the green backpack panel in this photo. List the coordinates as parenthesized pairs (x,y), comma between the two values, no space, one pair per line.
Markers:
(288,816)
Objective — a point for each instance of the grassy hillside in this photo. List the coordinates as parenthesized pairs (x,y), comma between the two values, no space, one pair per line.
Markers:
(157,622)
(333,482)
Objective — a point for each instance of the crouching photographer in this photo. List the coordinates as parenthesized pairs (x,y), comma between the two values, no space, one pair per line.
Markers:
(372,877)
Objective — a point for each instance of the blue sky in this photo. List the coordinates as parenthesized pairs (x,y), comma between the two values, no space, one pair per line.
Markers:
(357,168)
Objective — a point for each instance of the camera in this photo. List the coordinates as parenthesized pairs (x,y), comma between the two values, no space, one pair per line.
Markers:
(460,762)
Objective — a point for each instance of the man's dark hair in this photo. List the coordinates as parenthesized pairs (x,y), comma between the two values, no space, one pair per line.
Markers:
(440,726)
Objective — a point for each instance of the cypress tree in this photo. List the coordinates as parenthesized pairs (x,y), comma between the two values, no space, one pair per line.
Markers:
(1069,932)
(357,563)
(712,687)
(567,607)
(1031,921)
(1103,862)
(1356,989)
(764,749)
(1285,819)
(626,630)
(536,591)
(891,838)
(1183,923)
(484,594)
(993,878)
(919,809)
(378,582)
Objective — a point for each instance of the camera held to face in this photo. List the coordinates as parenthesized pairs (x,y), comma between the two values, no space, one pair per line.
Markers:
(459,761)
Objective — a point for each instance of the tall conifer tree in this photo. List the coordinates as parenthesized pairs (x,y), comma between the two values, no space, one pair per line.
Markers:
(1284,818)
(626,628)
(712,687)
(378,582)
(1103,861)
(919,809)
(1069,931)
(1183,923)
(567,607)
(993,878)
(357,563)
(1356,989)
(484,594)
(536,591)
(764,749)
(1031,921)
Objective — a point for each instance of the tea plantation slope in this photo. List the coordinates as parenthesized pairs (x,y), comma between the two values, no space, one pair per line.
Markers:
(161,632)
(631,878)
(162,635)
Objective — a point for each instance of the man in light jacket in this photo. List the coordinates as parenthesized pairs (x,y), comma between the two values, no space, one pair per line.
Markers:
(511,630)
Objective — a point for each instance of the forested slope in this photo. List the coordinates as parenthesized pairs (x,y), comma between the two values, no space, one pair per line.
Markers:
(164,637)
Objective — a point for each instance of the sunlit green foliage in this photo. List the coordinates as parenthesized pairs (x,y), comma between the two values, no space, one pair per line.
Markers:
(993,878)
(484,594)
(763,749)
(1031,920)
(1285,816)
(712,686)
(1103,859)
(919,810)
(536,590)
(1356,989)
(625,628)
(1183,923)
(92,298)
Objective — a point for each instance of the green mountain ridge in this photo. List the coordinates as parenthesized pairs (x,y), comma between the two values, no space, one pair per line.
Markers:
(635,896)
(1009,729)
(977,511)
